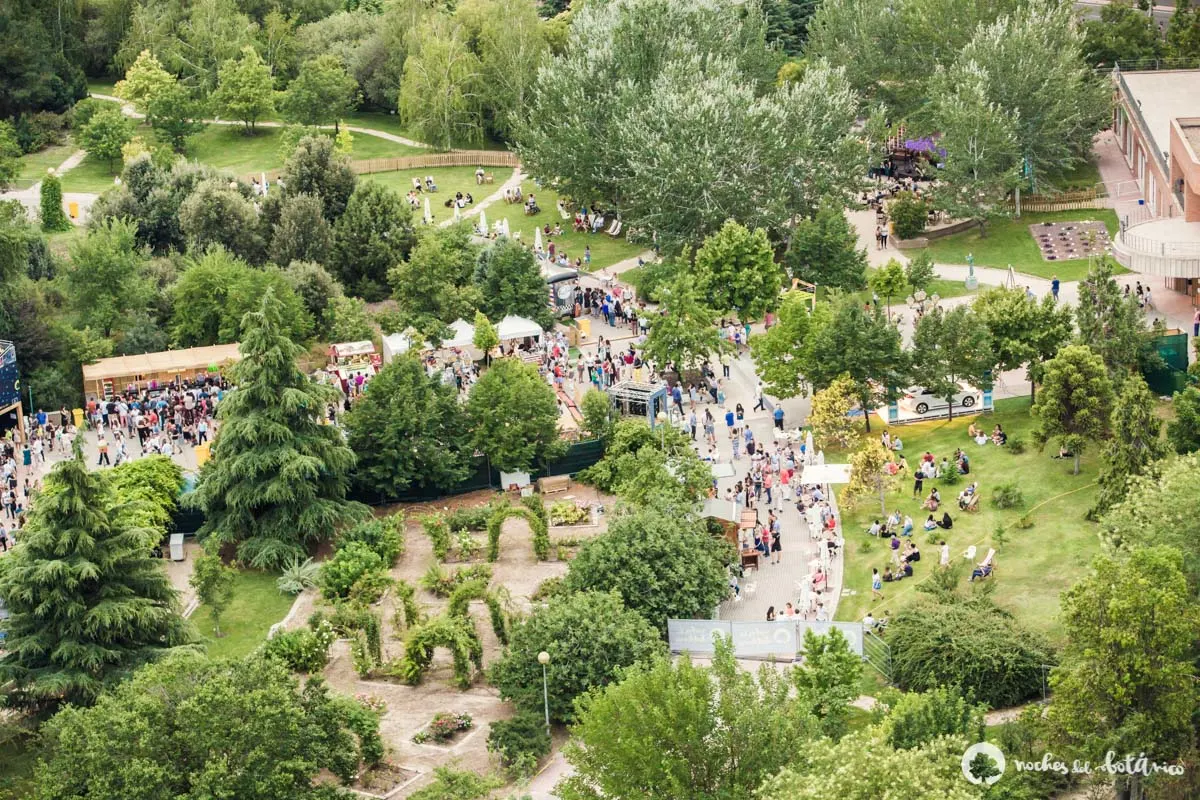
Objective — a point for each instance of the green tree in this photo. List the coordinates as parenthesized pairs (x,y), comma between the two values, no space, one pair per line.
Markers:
(278,477)
(889,281)
(435,282)
(913,719)
(865,347)
(1149,515)
(1122,34)
(829,678)
(736,272)
(175,115)
(1135,445)
(951,348)
(1127,682)
(217,290)
(787,23)
(824,250)
(408,431)
(863,766)
(316,289)
(1109,322)
(920,273)
(213,583)
(1074,405)
(348,320)
(981,163)
(244,89)
(635,466)
(510,282)
(513,414)
(830,415)
(716,731)
(681,96)
(596,407)
(590,637)
(1183,32)
(144,79)
(302,233)
(317,168)
(10,155)
(868,476)
(273,734)
(221,213)
(192,39)
(321,94)
(105,134)
(512,48)
(1183,432)
(105,279)
(1022,330)
(664,564)
(375,234)
(54,219)
(486,338)
(685,332)
(779,352)
(441,92)
(87,601)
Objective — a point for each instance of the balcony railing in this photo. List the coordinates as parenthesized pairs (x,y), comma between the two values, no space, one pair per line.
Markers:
(1156,247)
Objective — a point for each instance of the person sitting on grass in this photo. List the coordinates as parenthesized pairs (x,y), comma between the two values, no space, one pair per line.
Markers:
(875,528)
(907,529)
(933,500)
(974,430)
(888,577)
(999,437)
(964,464)
(946,523)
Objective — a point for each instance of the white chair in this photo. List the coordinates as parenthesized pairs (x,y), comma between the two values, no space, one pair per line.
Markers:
(749,589)
(804,603)
(970,554)
(804,584)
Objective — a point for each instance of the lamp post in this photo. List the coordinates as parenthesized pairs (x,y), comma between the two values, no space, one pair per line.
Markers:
(662,431)
(544,659)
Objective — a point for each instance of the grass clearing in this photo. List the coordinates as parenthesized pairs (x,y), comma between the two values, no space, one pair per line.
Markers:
(34,165)
(1033,566)
(257,605)
(227,147)
(606,250)
(449,180)
(1008,241)
(91,175)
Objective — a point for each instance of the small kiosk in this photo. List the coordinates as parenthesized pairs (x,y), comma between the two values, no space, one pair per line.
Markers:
(349,360)
(112,376)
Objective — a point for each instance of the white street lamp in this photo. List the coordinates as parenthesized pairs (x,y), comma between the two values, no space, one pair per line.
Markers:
(544,659)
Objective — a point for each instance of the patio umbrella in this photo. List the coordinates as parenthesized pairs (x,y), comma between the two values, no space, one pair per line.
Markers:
(808,448)
(504,227)
(483,222)
(457,215)
(821,457)
(428,213)
(537,239)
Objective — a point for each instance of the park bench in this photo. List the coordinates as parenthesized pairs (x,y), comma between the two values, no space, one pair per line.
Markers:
(554,483)
(972,503)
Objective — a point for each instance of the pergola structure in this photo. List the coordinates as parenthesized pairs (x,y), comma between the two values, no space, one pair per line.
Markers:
(637,399)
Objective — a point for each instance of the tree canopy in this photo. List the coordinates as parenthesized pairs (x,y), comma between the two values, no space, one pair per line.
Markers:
(514,416)
(278,477)
(87,601)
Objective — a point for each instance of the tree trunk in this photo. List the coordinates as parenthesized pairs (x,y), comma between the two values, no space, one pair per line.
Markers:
(982,229)
(950,409)
(866,413)
(1032,390)
(1076,461)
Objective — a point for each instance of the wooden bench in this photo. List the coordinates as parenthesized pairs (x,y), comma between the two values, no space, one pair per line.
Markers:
(973,503)
(554,483)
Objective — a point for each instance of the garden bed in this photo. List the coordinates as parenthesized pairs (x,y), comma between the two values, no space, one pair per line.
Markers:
(384,780)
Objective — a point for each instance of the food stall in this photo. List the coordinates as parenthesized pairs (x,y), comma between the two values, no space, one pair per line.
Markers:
(110,376)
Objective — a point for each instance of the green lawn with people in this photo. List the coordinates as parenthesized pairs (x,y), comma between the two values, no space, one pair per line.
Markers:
(1034,565)
(448,181)
(1008,241)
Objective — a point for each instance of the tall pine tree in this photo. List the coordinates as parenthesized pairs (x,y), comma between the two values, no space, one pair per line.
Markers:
(278,478)
(88,603)
(1136,443)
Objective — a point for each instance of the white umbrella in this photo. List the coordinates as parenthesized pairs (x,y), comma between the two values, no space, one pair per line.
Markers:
(428,213)
(537,239)
(457,215)
(483,222)
(821,458)
(504,227)
(808,448)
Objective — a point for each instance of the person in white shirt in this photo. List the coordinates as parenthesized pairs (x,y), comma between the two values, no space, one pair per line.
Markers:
(944,561)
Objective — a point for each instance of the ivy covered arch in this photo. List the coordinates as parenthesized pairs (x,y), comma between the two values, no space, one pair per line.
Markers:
(457,634)
(460,601)
(533,512)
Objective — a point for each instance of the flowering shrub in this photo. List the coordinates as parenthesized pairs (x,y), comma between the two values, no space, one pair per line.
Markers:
(370,702)
(443,727)
(303,650)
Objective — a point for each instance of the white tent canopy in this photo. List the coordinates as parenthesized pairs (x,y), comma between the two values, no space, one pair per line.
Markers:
(514,327)
(825,473)
(462,334)
(395,344)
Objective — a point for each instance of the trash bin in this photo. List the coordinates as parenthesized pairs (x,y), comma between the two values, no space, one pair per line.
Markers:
(177,547)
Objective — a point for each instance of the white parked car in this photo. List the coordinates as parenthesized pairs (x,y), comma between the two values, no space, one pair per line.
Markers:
(919,400)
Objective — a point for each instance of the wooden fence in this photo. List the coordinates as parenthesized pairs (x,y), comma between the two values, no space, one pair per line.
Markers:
(1065,201)
(455,158)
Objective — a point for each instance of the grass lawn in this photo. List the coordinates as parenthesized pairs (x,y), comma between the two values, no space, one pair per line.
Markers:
(1084,176)
(34,165)
(448,179)
(257,605)
(60,243)
(90,175)
(227,147)
(101,86)
(606,250)
(1008,242)
(1033,565)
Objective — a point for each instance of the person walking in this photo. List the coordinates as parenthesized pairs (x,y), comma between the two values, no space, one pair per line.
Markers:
(876,584)
(1054,288)
(779,418)
(102,446)
(760,405)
